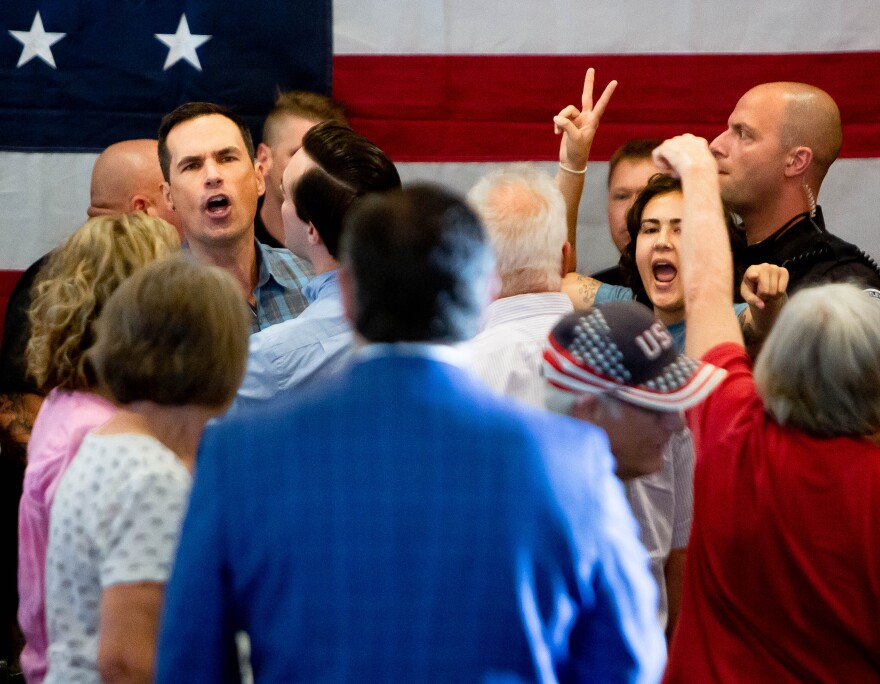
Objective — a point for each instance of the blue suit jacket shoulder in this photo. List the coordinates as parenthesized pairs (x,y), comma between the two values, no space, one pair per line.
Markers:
(403,524)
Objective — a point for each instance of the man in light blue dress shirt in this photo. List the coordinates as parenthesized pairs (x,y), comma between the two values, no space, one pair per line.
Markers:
(334,167)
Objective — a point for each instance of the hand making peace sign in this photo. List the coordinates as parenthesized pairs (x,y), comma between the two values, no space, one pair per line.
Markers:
(579,126)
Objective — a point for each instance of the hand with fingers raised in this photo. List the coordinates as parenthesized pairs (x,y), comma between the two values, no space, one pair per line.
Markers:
(578,126)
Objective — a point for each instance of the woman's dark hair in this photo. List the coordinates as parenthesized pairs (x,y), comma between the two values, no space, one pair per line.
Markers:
(661,184)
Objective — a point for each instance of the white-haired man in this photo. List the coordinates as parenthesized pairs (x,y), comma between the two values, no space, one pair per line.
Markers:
(524,214)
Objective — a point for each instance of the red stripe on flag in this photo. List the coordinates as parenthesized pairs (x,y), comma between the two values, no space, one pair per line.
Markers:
(444,108)
(8,280)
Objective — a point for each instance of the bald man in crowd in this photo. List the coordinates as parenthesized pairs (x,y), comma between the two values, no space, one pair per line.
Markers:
(127,177)
(780,141)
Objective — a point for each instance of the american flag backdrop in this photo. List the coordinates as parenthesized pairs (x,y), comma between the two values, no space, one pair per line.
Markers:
(447,87)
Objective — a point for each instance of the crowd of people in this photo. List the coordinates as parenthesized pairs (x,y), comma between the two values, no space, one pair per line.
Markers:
(269,415)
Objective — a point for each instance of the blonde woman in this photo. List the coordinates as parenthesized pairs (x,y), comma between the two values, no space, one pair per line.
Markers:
(69,294)
(170,361)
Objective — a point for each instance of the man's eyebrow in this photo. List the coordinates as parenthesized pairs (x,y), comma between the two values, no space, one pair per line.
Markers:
(227,150)
(190,158)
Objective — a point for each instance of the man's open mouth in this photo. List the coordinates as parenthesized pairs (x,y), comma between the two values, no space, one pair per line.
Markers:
(217,204)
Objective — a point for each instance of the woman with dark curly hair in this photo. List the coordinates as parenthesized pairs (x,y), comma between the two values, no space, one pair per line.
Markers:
(650,262)
(70,292)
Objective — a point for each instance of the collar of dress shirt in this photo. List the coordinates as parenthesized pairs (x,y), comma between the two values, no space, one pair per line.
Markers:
(315,285)
(524,306)
(444,353)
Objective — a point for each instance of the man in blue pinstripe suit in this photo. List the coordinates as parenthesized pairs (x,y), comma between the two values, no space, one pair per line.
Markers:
(401,523)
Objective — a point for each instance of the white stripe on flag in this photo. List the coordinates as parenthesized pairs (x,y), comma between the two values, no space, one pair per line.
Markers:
(590,27)
(43,198)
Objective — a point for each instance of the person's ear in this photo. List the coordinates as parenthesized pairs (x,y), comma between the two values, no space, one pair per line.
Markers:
(493,287)
(313,236)
(139,203)
(166,195)
(261,178)
(567,266)
(798,161)
(264,158)
(587,408)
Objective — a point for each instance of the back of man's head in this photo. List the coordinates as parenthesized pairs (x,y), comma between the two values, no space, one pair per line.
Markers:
(812,119)
(302,104)
(193,110)
(524,214)
(420,266)
(127,177)
(347,166)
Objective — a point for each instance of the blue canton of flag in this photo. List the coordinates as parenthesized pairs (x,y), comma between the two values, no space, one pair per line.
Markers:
(78,76)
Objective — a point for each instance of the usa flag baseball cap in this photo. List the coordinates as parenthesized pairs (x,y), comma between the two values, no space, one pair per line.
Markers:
(619,348)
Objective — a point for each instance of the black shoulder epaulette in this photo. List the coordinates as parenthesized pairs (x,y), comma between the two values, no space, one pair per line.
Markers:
(836,253)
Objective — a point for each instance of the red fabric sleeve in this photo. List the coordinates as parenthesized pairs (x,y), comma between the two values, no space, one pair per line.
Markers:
(734,405)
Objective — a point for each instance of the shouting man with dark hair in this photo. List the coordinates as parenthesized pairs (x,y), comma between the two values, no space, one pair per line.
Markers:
(207,158)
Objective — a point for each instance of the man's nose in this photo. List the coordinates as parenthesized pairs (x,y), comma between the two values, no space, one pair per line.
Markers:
(213,175)
(717,147)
